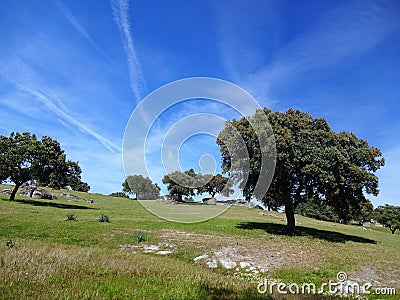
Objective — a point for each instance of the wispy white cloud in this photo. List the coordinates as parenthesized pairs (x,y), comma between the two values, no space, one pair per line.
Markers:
(120,9)
(75,23)
(78,26)
(28,81)
(346,31)
(241,32)
(21,103)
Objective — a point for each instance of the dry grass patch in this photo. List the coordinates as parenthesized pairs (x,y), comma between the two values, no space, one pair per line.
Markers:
(36,270)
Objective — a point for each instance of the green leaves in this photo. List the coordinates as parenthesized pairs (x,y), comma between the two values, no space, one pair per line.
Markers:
(388,216)
(189,183)
(24,158)
(143,188)
(313,162)
(219,185)
(181,184)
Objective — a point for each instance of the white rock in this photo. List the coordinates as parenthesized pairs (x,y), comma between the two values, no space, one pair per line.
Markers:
(150,248)
(227,264)
(244,264)
(164,252)
(196,259)
(212,263)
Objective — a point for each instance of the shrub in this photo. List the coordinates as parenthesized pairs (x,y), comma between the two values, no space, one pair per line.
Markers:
(140,236)
(104,218)
(10,243)
(119,194)
(71,217)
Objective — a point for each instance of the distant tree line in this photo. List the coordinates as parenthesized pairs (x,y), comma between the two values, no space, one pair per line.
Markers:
(119,195)
(180,186)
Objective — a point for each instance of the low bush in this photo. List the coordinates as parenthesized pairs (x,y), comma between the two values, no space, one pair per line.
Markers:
(104,218)
(140,236)
(10,243)
(71,217)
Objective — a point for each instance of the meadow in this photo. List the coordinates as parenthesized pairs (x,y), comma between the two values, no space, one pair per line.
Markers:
(45,256)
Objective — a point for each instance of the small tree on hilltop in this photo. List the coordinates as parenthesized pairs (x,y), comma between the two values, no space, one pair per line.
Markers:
(81,187)
(25,158)
(142,187)
(181,184)
(388,216)
(218,185)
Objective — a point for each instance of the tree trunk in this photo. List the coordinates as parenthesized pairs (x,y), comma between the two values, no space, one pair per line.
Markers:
(14,191)
(392,230)
(291,223)
(247,198)
(267,204)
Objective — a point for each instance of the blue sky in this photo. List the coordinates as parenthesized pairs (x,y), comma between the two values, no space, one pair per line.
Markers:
(76,70)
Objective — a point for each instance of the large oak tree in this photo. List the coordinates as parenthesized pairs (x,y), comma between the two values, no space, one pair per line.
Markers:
(24,157)
(313,163)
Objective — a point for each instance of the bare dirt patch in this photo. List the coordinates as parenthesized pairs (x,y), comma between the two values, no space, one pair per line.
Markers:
(376,276)
(262,253)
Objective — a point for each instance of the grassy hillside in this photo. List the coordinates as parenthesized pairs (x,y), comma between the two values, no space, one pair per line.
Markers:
(85,259)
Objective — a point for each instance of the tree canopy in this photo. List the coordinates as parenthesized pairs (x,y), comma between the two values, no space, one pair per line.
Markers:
(188,184)
(142,187)
(313,163)
(23,158)
(388,216)
(218,185)
(181,184)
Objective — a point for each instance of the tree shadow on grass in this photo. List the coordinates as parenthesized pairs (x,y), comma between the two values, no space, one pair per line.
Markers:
(51,204)
(330,236)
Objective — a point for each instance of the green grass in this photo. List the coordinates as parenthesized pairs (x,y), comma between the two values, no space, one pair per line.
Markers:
(53,258)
